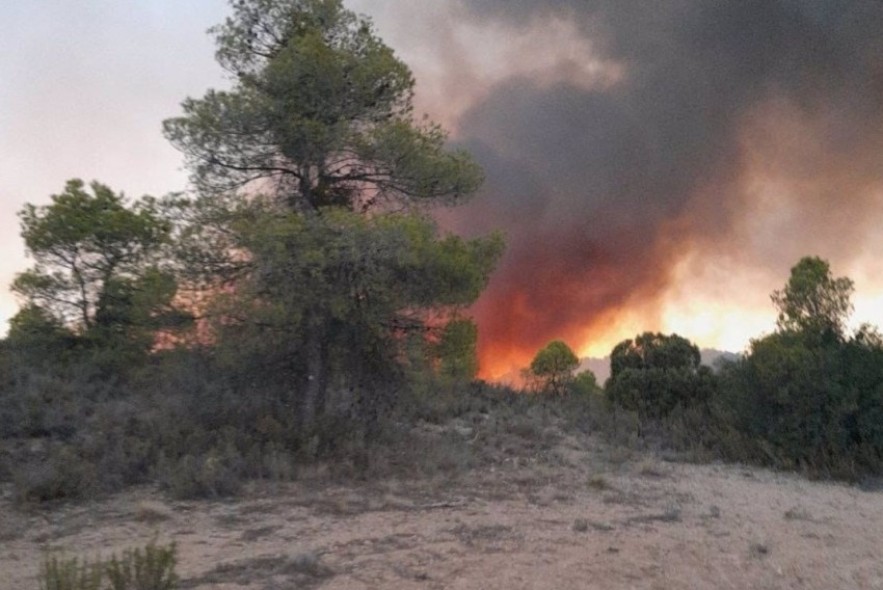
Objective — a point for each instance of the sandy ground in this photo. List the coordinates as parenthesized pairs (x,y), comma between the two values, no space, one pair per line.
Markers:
(586,519)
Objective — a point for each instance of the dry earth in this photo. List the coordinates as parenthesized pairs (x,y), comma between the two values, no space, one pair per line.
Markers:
(584,516)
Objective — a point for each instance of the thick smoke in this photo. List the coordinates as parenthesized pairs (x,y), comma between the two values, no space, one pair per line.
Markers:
(717,108)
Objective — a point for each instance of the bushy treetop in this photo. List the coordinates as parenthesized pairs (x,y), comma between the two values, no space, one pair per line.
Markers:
(814,301)
(319,115)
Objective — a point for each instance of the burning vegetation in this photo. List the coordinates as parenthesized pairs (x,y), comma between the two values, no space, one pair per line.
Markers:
(747,132)
(339,306)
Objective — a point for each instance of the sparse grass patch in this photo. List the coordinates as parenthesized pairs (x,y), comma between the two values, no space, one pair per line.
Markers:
(482,535)
(758,550)
(250,535)
(650,468)
(308,564)
(448,454)
(152,512)
(599,483)
(209,475)
(304,570)
(602,526)
(151,567)
(798,513)
(61,573)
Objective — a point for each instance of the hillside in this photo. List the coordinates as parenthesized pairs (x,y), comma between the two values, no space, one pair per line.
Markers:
(549,508)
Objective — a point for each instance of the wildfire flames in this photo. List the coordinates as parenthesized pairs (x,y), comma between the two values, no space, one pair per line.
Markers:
(748,130)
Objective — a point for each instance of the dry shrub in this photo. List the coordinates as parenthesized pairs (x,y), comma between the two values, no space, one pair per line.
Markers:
(151,567)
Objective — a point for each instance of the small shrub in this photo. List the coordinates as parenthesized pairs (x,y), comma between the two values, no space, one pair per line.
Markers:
(599,483)
(758,550)
(797,403)
(552,368)
(57,573)
(199,476)
(150,568)
(310,565)
(62,475)
(654,373)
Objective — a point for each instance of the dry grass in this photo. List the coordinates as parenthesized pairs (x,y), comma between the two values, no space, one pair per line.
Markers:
(759,550)
(536,506)
(152,512)
(304,570)
(798,513)
(599,483)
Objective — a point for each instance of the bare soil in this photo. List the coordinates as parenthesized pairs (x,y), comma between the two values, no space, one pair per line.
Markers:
(580,515)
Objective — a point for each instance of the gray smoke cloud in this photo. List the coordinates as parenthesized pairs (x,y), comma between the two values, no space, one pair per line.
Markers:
(602,189)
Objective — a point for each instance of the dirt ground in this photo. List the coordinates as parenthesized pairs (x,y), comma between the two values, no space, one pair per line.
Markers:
(584,516)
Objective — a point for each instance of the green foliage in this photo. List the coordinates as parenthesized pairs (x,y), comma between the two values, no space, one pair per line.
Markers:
(655,373)
(809,396)
(63,475)
(809,405)
(319,276)
(649,350)
(814,302)
(97,270)
(316,131)
(320,107)
(209,475)
(585,384)
(791,394)
(330,298)
(553,367)
(58,573)
(39,336)
(346,266)
(34,324)
(456,350)
(80,242)
(149,568)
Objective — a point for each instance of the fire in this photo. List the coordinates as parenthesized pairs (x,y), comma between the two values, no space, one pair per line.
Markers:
(614,197)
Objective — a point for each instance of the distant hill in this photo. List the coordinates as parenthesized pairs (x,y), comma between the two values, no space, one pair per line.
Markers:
(713,357)
(601,366)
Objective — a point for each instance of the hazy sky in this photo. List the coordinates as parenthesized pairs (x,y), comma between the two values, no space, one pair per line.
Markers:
(84,87)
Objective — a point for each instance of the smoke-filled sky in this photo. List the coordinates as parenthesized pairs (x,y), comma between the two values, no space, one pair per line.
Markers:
(654,165)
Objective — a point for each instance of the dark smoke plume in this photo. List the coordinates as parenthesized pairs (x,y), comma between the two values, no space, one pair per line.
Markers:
(602,189)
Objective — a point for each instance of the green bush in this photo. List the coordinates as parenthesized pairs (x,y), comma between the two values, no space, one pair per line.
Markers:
(551,370)
(804,404)
(654,373)
(69,574)
(62,475)
(149,568)
(207,475)
(585,383)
